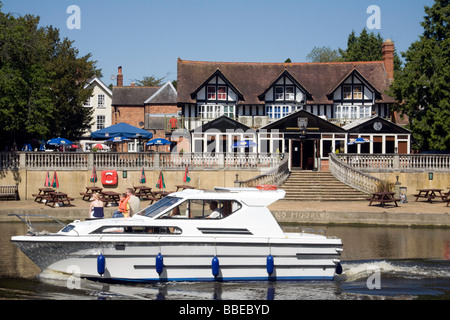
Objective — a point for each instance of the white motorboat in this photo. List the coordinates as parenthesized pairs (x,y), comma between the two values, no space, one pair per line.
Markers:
(174,239)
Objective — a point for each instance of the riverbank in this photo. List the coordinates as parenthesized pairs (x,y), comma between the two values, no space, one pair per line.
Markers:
(302,212)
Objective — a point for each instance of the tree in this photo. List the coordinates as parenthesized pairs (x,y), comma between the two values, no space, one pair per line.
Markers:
(366,47)
(423,86)
(150,81)
(323,54)
(41,83)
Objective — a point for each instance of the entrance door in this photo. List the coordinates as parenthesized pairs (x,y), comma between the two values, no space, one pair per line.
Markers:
(296,153)
(303,153)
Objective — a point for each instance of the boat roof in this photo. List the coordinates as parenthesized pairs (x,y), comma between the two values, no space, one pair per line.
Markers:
(250,196)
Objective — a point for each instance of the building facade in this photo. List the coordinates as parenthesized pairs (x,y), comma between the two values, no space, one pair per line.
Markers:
(297,108)
(148,108)
(100,102)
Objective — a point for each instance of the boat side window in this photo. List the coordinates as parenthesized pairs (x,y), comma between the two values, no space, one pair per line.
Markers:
(137,230)
(203,209)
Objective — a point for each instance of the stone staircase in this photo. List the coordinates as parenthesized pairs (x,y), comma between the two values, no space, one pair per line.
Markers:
(318,186)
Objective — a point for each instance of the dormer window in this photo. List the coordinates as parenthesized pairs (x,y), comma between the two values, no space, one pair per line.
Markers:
(354,92)
(221,93)
(284,93)
(357,92)
(347,92)
(289,93)
(279,93)
(211,92)
(217,93)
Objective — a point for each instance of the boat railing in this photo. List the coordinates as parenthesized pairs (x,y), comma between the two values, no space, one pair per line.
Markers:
(303,230)
(41,220)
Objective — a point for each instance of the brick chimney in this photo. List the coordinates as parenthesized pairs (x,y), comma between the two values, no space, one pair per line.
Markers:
(387,50)
(120,77)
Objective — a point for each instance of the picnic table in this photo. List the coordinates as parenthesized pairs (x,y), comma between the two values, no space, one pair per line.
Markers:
(182,187)
(161,193)
(430,194)
(58,197)
(89,192)
(44,194)
(383,198)
(110,197)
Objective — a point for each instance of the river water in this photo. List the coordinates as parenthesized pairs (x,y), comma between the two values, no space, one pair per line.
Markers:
(378,263)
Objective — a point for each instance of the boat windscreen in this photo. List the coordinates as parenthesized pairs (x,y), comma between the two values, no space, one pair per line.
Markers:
(159,206)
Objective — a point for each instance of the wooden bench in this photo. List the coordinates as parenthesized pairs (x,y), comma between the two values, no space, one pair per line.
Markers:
(9,192)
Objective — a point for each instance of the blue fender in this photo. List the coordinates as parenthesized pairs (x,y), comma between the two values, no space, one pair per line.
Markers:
(101,264)
(159,263)
(215,266)
(269,264)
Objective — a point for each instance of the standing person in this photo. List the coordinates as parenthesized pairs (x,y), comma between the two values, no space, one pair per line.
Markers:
(133,201)
(96,207)
(124,207)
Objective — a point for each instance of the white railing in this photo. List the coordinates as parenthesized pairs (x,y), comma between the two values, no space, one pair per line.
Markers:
(275,176)
(397,162)
(351,176)
(130,161)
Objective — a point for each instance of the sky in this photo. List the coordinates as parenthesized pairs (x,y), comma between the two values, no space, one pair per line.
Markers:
(146,37)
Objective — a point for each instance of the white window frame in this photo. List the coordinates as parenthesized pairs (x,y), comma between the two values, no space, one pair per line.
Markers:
(87,103)
(221,95)
(211,93)
(289,93)
(101,101)
(101,122)
(357,95)
(279,93)
(347,92)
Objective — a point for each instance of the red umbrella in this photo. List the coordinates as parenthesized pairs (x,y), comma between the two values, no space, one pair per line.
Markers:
(94,178)
(160,184)
(47,180)
(101,146)
(55,183)
(186,177)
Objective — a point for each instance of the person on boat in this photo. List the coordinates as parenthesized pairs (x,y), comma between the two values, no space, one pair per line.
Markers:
(96,207)
(124,207)
(135,203)
(216,213)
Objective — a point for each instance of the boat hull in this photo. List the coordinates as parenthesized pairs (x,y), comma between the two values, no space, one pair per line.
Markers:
(297,258)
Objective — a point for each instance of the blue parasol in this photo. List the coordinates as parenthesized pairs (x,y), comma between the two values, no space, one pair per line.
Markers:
(358,140)
(158,142)
(244,144)
(59,142)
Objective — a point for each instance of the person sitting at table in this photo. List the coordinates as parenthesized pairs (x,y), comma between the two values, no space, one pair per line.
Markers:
(96,208)
(124,207)
(135,203)
(216,213)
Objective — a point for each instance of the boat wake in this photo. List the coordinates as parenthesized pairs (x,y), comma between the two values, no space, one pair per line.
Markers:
(408,269)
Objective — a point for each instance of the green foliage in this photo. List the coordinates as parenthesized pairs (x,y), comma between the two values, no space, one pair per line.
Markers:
(423,86)
(323,54)
(150,81)
(384,186)
(41,83)
(366,47)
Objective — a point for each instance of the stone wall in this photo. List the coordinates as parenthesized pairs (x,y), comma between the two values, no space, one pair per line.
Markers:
(73,182)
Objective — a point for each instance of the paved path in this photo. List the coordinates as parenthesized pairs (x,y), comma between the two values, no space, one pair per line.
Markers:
(311,212)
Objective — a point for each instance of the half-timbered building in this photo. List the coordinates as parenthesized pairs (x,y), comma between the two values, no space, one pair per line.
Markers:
(268,97)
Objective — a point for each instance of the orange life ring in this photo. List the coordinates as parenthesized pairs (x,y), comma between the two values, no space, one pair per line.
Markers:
(267,187)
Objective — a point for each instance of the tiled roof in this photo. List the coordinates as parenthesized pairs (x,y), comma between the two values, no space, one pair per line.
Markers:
(252,79)
(132,96)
